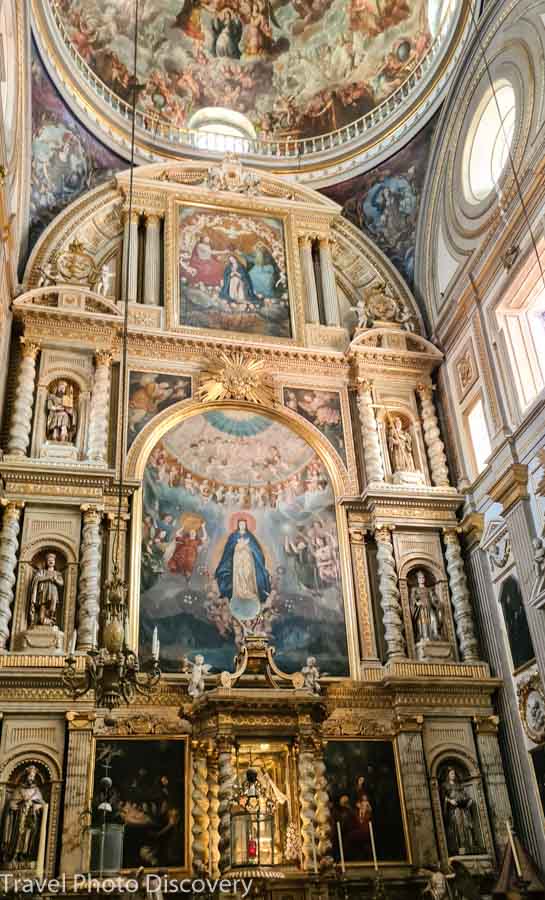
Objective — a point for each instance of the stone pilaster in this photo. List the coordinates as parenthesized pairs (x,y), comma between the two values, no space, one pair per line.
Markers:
(312,309)
(329,285)
(199,809)
(432,437)
(226,782)
(21,419)
(9,545)
(499,806)
(461,602)
(89,577)
(152,260)
(417,793)
(307,802)
(129,283)
(374,468)
(361,583)
(100,409)
(390,598)
(78,775)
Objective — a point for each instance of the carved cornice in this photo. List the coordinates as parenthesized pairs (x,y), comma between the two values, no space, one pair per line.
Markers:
(472,526)
(511,487)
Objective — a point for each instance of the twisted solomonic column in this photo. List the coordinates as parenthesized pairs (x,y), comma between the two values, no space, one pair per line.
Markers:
(100,407)
(369,431)
(213,814)
(461,602)
(21,419)
(323,809)
(89,578)
(307,803)
(9,545)
(227,780)
(390,598)
(432,437)
(199,809)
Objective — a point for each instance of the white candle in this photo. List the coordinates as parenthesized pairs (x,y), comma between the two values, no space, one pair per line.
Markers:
(314,860)
(127,635)
(72,647)
(373,848)
(341,848)
(514,851)
(154,642)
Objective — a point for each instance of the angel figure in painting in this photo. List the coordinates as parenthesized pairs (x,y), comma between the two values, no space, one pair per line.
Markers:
(242,575)
(188,543)
(198,669)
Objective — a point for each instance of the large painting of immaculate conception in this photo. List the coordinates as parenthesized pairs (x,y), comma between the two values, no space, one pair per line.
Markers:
(146,794)
(239,533)
(363,788)
(232,272)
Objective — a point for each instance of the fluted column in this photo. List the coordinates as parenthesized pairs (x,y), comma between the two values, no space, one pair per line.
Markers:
(307,802)
(21,420)
(312,309)
(390,598)
(199,809)
(459,592)
(329,286)
(371,445)
(100,408)
(89,577)
(226,782)
(9,545)
(129,282)
(78,761)
(152,260)
(432,437)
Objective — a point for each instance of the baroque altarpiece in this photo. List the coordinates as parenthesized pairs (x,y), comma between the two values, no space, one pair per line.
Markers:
(287,530)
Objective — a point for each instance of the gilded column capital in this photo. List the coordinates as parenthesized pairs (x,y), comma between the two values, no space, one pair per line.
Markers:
(132,216)
(152,218)
(511,487)
(29,348)
(451,534)
(384,533)
(80,721)
(425,390)
(357,534)
(364,385)
(103,357)
(472,527)
(12,508)
(305,240)
(486,724)
(409,723)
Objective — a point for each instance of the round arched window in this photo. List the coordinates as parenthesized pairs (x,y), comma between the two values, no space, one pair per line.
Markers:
(490,142)
(231,130)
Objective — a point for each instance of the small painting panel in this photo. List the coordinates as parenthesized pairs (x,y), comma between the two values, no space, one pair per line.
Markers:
(516,623)
(149,394)
(323,410)
(233,272)
(147,795)
(363,788)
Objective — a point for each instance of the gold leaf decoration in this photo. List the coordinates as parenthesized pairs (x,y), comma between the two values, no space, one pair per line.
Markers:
(236,377)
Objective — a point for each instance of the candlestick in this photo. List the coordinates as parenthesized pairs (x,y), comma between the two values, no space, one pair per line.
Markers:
(341,848)
(72,647)
(94,635)
(373,848)
(514,851)
(314,860)
(154,642)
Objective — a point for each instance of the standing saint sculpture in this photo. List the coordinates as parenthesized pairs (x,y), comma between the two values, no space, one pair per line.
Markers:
(62,417)
(458,815)
(426,611)
(45,593)
(400,445)
(242,575)
(22,820)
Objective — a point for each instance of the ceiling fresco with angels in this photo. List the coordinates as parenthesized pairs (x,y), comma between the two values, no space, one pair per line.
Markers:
(292,67)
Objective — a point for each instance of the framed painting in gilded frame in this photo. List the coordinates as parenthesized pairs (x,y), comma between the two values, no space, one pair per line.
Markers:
(148,795)
(232,272)
(364,787)
(151,392)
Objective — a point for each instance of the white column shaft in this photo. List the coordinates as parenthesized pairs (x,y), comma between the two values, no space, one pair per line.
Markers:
(390,598)
(371,445)
(100,408)
(461,602)
(9,545)
(130,258)
(89,578)
(432,437)
(21,420)
(329,286)
(312,309)
(152,261)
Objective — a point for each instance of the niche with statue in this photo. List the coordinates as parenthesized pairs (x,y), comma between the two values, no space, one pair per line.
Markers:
(62,405)
(462,808)
(24,820)
(427,614)
(403,452)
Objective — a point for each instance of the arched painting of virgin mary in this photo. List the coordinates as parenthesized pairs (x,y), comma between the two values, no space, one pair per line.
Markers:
(242,575)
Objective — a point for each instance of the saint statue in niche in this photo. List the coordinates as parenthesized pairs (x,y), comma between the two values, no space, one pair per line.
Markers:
(22,820)
(458,815)
(62,417)
(242,575)
(400,445)
(45,593)
(426,610)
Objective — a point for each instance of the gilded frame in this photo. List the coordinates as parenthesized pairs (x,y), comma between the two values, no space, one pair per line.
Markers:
(400,787)
(136,461)
(246,206)
(175,870)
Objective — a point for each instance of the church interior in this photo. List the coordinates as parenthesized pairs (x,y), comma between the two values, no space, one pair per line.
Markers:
(272,466)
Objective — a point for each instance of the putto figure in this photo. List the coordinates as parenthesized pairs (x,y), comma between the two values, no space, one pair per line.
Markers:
(45,593)
(311,674)
(198,671)
(22,820)
(62,418)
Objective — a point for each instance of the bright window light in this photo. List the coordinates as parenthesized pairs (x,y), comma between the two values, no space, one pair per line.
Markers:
(492,140)
(478,432)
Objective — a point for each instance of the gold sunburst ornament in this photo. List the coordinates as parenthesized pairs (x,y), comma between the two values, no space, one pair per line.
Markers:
(236,377)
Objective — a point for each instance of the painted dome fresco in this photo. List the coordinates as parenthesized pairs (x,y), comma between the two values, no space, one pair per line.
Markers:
(267,70)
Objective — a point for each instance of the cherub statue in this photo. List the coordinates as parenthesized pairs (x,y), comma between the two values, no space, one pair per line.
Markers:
(198,669)
(437,887)
(311,674)
(104,281)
